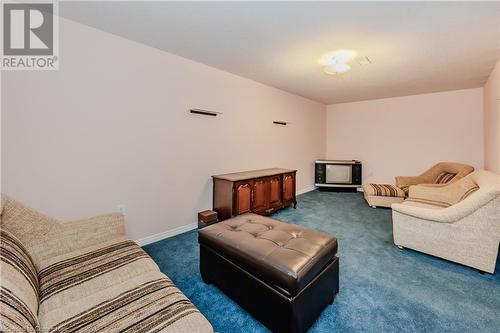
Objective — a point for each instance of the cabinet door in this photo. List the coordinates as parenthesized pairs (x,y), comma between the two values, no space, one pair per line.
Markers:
(242,198)
(259,195)
(275,191)
(288,187)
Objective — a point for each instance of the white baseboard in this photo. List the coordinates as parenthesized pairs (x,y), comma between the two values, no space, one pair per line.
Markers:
(312,188)
(305,190)
(166,234)
(182,229)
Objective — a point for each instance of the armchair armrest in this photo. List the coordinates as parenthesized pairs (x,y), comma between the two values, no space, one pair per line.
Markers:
(432,185)
(71,236)
(409,180)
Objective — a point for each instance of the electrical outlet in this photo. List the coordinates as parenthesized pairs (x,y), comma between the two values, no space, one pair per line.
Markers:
(121,209)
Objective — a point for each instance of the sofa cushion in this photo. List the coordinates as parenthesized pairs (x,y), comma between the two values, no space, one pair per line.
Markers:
(81,273)
(26,224)
(18,286)
(444,177)
(149,302)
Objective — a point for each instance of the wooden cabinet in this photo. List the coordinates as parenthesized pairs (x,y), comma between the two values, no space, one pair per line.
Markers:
(260,194)
(275,191)
(243,195)
(259,191)
(289,187)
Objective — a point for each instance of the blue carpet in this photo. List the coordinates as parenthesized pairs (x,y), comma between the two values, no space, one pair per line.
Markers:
(382,289)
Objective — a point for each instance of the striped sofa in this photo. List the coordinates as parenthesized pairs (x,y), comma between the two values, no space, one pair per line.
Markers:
(83,276)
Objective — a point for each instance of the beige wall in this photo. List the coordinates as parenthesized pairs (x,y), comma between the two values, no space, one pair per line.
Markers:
(112,127)
(406,135)
(492,121)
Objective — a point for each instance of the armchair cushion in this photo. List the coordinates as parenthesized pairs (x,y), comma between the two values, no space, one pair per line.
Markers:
(444,196)
(444,177)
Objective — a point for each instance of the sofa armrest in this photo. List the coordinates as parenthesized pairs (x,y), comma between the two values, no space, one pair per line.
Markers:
(95,230)
(450,214)
(436,215)
(75,235)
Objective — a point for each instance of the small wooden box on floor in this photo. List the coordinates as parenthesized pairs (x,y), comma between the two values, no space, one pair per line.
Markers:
(260,191)
(206,218)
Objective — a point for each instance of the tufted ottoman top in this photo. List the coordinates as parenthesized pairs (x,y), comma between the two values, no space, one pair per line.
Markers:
(284,255)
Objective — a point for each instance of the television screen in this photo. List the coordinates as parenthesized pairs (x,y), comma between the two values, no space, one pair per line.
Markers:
(338,174)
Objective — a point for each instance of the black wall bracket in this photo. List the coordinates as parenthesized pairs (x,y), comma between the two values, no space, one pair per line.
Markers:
(205,112)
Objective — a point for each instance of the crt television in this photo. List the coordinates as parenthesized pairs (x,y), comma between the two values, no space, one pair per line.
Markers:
(338,173)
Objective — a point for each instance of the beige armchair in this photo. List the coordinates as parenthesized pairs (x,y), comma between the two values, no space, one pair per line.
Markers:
(443,173)
(459,222)
(438,175)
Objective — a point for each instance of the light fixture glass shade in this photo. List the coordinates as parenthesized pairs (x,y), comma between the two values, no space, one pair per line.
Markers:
(337,68)
(334,57)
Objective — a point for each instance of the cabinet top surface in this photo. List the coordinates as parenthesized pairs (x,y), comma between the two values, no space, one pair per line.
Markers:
(252,174)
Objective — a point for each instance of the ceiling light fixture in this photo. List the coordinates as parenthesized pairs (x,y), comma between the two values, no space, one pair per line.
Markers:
(337,68)
(337,56)
(337,62)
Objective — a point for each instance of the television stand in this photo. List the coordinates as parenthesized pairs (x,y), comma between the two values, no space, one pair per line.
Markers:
(337,189)
(337,175)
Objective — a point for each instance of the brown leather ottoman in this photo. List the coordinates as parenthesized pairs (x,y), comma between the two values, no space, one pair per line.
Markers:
(282,274)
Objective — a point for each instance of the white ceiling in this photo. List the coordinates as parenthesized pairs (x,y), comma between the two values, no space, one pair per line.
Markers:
(415,47)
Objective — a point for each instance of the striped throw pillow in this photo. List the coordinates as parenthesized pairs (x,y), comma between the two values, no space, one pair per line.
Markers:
(444,177)
(19,287)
